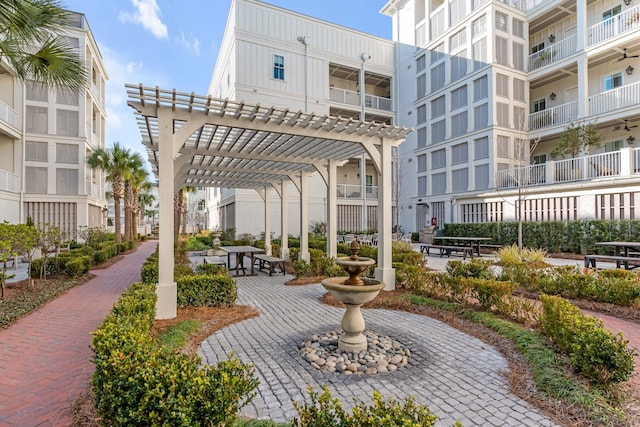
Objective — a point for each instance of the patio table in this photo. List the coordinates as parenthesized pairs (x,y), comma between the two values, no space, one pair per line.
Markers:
(240,252)
(474,242)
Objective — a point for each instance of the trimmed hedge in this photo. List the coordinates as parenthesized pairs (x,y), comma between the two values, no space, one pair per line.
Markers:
(206,290)
(594,351)
(210,269)
(137,382)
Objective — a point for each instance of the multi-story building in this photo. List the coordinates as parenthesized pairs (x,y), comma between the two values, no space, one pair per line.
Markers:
(272,56)
(46,135)
(491,86)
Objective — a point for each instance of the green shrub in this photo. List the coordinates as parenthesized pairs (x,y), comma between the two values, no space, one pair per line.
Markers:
(301,268)
(140,383)
(131,244)
(594,351)
(100,256)
(212,291)
(196,244)
(410,277)
(181,270)
(74,267)
(409,258)
(324,411)
(492,293)
(210,269)
(53,267)
(476,267)
(149,272)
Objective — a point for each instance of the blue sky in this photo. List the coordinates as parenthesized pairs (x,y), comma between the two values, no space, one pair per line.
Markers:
(174,44)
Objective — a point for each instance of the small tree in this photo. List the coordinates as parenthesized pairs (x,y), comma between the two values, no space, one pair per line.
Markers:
(7,249)
(49,240)
(92,236)
(27,243)
(576,138)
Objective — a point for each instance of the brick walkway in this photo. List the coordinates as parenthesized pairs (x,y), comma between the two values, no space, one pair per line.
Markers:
(45,357)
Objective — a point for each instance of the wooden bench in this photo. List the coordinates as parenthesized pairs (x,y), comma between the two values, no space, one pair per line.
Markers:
(214,260)
(270,263)
(590,261)
(447,249)
(494,247)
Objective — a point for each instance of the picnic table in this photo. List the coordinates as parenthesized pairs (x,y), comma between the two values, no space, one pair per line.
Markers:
(626,255)
(240,252)
(464,241)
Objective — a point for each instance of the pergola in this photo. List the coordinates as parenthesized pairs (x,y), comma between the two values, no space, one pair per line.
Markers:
(210,142)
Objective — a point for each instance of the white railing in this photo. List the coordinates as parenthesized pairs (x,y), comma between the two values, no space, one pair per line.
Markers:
(560,114)
(351,191)
(611,100)
(8,115)
(353,98)
(553,53)
(629,20)
(595,166)
(91,189)
(8,181)
(91,136)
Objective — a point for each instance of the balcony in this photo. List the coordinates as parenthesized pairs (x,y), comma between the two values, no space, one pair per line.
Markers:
(92,189)
(625,22)
(349,97)
(554,53)
(558,115)
(8,181)
(91,136)
(611,100)
(596,166)
(349,191)
(9,115)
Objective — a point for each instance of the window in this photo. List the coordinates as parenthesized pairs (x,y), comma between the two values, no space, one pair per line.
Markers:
(519,118)
(438,159)
(202,204)
(481,177)
(437,53)
(459,66)
(537,48)
(35,180)
(458,39)
(67,181)
(480,53)
(460,154)
(539,105)
(278,67)
(501,21)
(518,56)
(518,90)
(459,123)
(502,111)
(422,163)
(421,116)
(67,97)
(37,92)
(438,131)
(422,186)
(37,151)
(438,183)
(437,24)
(480,88)
(503,143)
(539,159)
(517,28)
(460,180)
(502,85)
(481,148)
(37,119)
(67,123)
(458,10)
(421,63)
(421,86)
(610,13)
(438,107)
(459,98)
(437,77)
(422,137)
(613,81)
(479,26)
(502,51)
(481,117)
(67,153)
(613,146)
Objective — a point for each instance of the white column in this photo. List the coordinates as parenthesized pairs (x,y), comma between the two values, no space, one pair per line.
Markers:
(363,191)
(384,271)
(267,220)
(284,209)
(583,86)
(332,210)
(304,218)
(166,306)
(581,25)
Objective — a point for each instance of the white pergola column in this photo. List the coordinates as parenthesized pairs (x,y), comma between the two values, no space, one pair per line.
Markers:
(267,220)
(284,210)
(583,86)
(332,210)
(166,306)
(304,217)
(384,271)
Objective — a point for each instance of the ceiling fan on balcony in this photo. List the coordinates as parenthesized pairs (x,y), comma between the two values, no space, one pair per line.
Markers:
(625,56)
(627,127)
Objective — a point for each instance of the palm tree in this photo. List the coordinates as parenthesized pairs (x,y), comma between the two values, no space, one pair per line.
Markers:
(133,178)
(29,41)
(115,163)
(180,209)
(145,199)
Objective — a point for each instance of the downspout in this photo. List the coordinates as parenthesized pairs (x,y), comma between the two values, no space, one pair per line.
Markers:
(21,218)
(363,160)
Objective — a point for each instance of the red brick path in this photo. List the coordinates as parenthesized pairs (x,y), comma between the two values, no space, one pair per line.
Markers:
(45,359)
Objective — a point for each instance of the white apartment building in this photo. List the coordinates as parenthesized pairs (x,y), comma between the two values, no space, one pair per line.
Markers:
(479,76)
(272,56)
(45,138)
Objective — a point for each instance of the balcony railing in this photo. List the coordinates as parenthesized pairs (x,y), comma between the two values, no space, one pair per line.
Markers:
(8,181)
(353,98)
(627,21)
(8,115)
(553,53)
(350,191)
(91,189)
(91,136)
(611,100)
(595,166)
(560,114)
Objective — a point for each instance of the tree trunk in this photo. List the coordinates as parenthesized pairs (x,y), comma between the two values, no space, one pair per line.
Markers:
(118,226)
(177,209)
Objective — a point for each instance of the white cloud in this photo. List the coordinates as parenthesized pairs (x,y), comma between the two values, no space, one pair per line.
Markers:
(192,43)
(148,14)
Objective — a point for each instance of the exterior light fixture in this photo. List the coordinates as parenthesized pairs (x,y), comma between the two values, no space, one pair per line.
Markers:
(552,96)
(627,2)
(629,70)
(631,140)
(552,38)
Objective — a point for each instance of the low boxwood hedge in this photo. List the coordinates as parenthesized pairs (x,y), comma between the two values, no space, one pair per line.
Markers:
(206,290)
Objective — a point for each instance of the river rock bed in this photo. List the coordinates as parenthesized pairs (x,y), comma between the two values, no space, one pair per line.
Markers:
(383,354)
